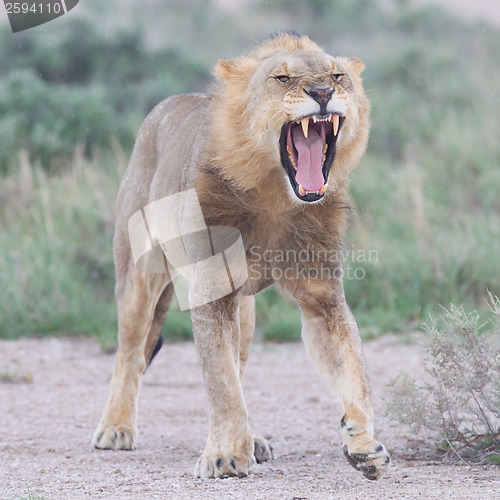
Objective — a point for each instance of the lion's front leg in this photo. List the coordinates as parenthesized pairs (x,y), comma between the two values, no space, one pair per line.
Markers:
(332,339)
(230,446)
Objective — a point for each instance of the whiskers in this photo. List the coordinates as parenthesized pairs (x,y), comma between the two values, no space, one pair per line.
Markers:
(276,116)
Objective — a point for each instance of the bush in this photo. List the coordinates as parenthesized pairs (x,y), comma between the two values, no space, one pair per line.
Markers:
(48,122)
(82,87)
(82,55)
(458,409)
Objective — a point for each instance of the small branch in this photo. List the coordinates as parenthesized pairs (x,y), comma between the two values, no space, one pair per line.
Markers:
(455,451)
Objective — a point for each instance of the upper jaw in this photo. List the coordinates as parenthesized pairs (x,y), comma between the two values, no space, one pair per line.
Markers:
(326,127)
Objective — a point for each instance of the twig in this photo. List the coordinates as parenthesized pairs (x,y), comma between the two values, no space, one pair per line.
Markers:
(455,451)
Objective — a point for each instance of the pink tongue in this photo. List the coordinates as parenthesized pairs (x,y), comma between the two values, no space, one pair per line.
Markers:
(309,165)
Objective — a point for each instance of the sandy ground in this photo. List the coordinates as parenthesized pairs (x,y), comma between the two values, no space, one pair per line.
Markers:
(46,426)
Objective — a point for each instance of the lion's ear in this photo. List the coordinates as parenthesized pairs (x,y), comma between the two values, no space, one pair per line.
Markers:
(355,65)
(227,68)
(241,68)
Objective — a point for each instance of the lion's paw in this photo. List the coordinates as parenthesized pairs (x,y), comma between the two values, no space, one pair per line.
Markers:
(116,437)
(262,450)
(219,466)
(373,464)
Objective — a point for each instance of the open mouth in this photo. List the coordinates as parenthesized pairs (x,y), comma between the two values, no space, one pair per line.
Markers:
(307,148)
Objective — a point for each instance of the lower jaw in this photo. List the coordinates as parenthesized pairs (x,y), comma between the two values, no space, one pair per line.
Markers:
(308,196)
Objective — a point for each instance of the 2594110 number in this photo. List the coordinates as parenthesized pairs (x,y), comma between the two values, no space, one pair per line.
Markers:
(35,8)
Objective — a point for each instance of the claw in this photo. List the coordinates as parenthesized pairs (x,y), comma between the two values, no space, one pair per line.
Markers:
(364,462)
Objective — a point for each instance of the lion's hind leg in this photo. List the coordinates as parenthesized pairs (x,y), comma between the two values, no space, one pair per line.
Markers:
(262,449)
(142,306)
(154,341)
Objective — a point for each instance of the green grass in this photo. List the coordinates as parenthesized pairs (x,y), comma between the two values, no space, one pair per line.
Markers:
(425,194)
(55,250)
(7,376)
(29,495)
(277,319)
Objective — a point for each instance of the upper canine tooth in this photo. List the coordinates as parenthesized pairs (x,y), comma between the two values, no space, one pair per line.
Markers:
(323,189)
(335,120)
(302,191)
(305,126)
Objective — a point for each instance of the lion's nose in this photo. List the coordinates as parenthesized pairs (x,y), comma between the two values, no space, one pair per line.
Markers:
(322,97)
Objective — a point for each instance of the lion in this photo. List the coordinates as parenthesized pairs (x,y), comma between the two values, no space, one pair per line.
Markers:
(269,151)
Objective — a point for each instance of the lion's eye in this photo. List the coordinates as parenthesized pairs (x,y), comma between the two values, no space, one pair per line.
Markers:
(282,78)
(337,77)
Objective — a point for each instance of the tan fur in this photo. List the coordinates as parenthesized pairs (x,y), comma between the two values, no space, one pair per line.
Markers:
(226,146)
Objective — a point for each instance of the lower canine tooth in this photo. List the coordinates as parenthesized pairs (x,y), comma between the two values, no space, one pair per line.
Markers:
(302,191)
(323,189)
(290,157)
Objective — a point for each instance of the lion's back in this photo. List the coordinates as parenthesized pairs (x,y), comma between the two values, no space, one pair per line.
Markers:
(166,153)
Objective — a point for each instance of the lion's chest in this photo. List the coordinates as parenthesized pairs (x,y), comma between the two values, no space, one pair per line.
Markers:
(280,244)
(289,251)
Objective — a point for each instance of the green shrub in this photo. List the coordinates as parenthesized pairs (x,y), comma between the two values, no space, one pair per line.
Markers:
(48,122)
(82,55)
(83,87)
(456,412)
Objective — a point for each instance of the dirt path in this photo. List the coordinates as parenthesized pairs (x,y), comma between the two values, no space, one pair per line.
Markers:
(46,428)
